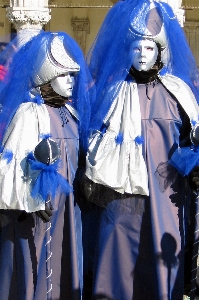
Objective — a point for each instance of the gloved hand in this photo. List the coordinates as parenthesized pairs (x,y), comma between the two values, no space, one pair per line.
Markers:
(194,178)
(45,214)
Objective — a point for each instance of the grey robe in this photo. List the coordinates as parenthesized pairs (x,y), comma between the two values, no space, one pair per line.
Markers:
(139,253)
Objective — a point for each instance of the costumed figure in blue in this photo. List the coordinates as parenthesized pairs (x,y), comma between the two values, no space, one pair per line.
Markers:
(44,100)
(145,109)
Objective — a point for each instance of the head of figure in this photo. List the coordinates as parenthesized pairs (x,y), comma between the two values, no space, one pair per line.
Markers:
(144,54)
(58,67)
(149,29)
(148,41)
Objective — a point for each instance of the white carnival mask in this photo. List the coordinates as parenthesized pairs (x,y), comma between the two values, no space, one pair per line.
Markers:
(144,54)
(63,85)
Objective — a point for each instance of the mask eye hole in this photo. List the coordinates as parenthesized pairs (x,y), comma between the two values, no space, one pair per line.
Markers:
(136,49)
(150,48)
(72,74)
(62,75)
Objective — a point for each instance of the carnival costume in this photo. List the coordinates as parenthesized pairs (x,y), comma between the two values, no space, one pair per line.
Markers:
(39,153)
(138,120)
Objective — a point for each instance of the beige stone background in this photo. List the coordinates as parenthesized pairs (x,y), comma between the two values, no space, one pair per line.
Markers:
(191,25)
(82,19)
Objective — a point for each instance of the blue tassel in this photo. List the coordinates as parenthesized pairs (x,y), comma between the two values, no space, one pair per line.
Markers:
(139,140)
(7,155)
(193,123)
(38,100)
(45,136)
(49,182)
(119,139)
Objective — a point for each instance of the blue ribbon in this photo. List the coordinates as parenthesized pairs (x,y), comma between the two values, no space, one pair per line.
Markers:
(49,181)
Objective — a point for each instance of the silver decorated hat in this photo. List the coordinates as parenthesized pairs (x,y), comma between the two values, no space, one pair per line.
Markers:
(149,24)
(56,61)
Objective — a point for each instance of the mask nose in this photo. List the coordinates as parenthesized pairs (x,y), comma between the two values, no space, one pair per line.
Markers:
(69,79)
(142,52)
